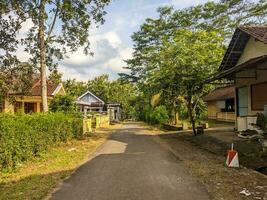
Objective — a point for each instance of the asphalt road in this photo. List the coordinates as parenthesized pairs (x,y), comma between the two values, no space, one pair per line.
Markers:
(131,165)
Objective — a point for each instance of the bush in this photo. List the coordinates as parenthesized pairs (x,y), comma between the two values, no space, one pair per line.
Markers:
(62,103)
(23,137)
(261,121)
(159,115)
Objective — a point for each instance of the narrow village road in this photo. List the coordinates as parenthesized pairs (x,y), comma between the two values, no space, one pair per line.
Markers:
(131,165)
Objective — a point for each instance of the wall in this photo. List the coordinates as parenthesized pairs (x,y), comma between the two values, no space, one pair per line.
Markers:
(214,112)
(31,99)
(212,109)
(8,107)
(253,49)
(90,99)
(257,76)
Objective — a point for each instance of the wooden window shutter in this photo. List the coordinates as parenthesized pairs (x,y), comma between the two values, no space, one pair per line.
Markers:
(258,96)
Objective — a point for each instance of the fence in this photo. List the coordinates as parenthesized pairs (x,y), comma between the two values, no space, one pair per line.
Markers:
(95,121)
(226,116)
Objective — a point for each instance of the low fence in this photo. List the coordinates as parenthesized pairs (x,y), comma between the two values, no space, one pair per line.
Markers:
(95,121)
(226,116)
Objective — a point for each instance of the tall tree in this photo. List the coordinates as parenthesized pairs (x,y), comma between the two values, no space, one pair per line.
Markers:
(190,59)
(58,27)
(160,64)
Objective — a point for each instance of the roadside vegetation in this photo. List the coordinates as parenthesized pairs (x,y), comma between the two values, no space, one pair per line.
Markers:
(36,178)
(176,53)
(203,156)
(24,137)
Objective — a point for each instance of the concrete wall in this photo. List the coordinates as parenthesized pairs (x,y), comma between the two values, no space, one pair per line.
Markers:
(257,76)
(253,76)
(253,49)
(9,107)
(214,112)
(212,109)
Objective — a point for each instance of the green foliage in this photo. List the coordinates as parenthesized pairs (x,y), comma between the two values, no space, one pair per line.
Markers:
(261,121)
(23,137)
(64,24)
(109,91)
(159,115)
(62,103)
(176,52)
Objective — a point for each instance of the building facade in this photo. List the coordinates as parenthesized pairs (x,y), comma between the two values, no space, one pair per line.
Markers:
(221,104)
(90,103)
(245,62)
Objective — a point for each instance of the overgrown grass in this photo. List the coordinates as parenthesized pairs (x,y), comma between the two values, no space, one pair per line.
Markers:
(37,177)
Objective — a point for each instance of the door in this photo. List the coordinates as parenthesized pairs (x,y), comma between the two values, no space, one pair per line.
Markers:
(242,101)
(30,107)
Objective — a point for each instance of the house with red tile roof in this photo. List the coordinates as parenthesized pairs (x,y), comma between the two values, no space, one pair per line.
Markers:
(30,101)
(221,103)
(245,62)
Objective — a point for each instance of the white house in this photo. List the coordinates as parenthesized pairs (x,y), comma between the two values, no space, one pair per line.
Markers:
(245,62)
(88,102)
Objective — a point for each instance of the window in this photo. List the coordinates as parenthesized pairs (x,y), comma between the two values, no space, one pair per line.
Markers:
(258,96)
(18,107)
(242,101)
(229,105)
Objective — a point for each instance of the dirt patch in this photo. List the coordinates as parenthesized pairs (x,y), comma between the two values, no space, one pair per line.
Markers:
(206,162)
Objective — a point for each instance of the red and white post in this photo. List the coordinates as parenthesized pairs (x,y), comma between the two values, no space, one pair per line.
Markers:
(232,158)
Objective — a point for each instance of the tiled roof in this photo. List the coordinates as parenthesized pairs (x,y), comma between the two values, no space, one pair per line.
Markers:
(220,94)
(258,32)
(36,89)
(239,41)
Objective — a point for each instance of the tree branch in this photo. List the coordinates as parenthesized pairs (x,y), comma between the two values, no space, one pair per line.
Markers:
(53,22)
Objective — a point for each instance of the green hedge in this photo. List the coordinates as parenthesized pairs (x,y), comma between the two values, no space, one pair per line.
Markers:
(23,137)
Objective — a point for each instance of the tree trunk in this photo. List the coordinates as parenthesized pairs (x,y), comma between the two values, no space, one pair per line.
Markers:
(191,115)
(42,55)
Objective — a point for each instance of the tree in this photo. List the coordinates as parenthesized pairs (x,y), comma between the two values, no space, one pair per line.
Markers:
(58,27)
(62,103)
(100,87)
(75,88)
(170,55)
(55,77)
(222,16)
(190,59)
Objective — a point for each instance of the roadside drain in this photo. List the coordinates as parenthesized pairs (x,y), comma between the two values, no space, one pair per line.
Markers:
(262,170)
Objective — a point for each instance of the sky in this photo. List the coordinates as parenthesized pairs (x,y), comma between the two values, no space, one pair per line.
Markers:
(111,43)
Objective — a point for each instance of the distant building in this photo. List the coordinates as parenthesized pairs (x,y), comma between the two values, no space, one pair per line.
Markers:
(88,102)
(221,103)
(30,101)
(245,62)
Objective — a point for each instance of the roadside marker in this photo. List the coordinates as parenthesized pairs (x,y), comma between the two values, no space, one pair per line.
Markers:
(232,158)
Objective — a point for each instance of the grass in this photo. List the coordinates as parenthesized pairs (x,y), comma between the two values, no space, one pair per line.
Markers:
(205,160)
(37,178)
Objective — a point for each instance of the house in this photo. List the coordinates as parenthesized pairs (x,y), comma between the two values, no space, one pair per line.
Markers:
(221,103)
(245,62)
(88,102)
(32,102)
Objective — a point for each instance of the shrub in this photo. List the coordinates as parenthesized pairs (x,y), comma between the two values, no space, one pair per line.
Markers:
(23,137)
(62,103)
(261,121)
(159,115)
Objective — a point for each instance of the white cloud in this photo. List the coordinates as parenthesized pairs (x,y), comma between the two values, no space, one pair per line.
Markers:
(109,53)
(182,3)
